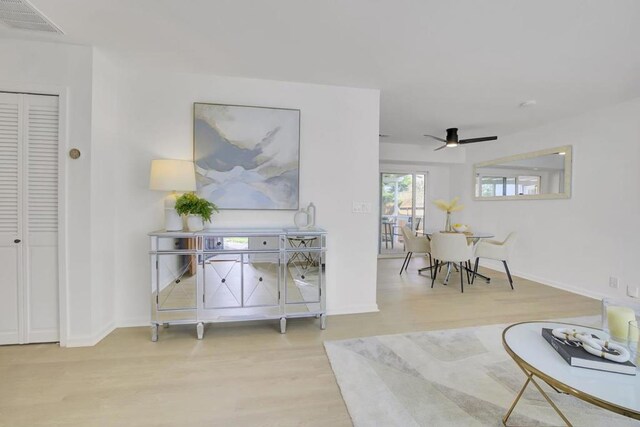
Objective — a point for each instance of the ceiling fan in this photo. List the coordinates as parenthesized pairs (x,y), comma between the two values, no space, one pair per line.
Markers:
(452,139)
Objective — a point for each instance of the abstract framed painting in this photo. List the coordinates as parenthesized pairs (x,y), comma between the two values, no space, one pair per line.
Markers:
(247,157)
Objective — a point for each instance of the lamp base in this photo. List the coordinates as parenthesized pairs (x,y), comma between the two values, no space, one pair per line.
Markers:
(172,221)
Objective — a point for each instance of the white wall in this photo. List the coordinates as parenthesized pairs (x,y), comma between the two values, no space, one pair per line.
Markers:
(339,165)
(104,151)
(43,68)
(577,243)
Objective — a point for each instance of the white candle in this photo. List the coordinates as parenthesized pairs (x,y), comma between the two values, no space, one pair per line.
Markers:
(618,319)
(634,334)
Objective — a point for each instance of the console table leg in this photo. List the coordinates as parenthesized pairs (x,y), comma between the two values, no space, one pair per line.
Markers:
(283,325)
(154,332)
(323,321)
(200,330)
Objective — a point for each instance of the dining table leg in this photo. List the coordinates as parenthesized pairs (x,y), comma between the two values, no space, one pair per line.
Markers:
(446,278)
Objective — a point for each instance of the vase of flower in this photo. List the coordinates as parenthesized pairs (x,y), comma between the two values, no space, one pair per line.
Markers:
(448,207)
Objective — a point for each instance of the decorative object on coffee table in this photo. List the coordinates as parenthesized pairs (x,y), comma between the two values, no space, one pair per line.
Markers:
(584,350)
(616,315)
(633,342)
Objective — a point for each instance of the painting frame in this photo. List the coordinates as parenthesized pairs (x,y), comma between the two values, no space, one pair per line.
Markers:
(296,205)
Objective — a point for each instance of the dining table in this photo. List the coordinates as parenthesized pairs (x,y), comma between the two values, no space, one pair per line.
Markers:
(473,237)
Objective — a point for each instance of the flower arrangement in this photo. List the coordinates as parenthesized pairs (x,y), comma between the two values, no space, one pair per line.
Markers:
(448,207)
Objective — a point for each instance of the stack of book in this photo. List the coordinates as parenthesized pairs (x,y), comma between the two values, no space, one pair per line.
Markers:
(577,356)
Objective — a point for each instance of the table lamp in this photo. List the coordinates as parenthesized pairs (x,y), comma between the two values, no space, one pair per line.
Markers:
(174,176)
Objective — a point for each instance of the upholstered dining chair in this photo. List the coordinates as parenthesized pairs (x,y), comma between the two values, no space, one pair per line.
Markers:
(451,248)
(496,250)
(414,244)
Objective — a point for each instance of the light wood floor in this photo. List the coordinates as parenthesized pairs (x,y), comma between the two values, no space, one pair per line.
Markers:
(246,374)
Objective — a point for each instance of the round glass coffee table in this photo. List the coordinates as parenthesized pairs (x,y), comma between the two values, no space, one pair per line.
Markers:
(538,360)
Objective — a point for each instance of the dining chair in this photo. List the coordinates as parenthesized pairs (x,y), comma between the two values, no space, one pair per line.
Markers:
(496,250)
(451,248)
(414,244)
(417,227)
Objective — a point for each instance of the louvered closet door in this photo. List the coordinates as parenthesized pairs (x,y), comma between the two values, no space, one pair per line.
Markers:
(10,212)
(28,218)
(40,203)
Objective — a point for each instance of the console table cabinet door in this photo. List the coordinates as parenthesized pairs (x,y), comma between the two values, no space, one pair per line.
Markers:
(260,281)
(222,280)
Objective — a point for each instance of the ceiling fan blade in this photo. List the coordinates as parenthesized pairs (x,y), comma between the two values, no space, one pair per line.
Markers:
(436,138)
(470,140)
(440,148)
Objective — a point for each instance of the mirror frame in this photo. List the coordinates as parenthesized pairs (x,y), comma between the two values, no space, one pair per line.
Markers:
(568,150)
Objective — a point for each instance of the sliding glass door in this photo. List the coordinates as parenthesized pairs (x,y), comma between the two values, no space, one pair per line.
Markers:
(402,202)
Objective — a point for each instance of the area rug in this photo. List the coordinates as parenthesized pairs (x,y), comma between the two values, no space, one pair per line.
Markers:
(456,377)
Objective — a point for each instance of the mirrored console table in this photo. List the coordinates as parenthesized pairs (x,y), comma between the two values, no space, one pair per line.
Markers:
(230,275)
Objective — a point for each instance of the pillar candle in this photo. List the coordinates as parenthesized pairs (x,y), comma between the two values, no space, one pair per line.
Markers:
(634,332)
(618,319)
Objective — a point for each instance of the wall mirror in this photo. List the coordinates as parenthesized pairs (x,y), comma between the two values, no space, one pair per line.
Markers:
(544,174)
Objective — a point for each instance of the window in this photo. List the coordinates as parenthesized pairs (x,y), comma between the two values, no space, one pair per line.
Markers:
(496,186)
(528,185)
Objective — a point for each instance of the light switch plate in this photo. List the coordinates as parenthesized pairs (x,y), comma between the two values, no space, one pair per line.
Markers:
(361,207)
(613,282)
(633,291)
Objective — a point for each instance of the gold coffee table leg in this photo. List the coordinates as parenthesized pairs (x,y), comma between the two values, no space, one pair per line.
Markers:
(547,398)
(515,402)
(553,405)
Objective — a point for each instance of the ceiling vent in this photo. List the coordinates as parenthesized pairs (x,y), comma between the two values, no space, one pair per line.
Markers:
(21,15)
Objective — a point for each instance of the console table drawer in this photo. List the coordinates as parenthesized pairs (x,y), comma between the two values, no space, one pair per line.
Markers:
(241,243)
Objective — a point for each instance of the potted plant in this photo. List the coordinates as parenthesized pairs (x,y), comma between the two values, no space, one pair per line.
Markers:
(197,210)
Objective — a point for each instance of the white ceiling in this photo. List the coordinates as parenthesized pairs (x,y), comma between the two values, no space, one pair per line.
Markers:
(439,64)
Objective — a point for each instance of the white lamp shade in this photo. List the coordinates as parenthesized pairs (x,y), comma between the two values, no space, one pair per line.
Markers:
(172,175)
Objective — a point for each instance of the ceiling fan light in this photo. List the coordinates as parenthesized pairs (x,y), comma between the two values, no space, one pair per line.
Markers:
(452,143)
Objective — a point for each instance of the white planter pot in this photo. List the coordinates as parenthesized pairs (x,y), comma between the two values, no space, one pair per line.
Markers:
(195,223)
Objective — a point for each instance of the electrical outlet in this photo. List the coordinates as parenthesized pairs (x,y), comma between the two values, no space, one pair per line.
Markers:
(633,291)
(613,282)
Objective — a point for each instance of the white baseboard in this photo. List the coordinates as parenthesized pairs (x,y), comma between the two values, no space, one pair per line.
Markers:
(353,309)
(497,266)
(134,322)
(90,340)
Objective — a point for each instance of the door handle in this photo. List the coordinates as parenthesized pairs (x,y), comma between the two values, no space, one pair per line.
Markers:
(17,241)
